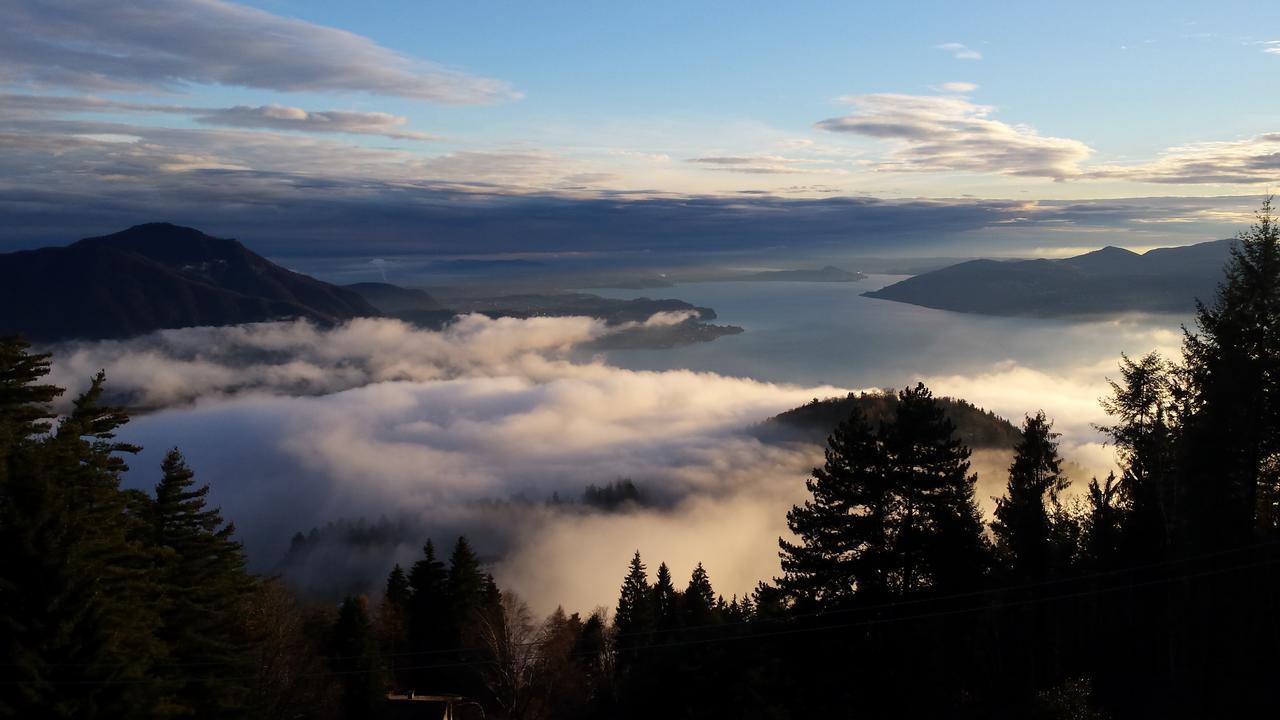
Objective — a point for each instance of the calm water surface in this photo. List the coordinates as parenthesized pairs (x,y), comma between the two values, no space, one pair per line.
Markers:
(828,333)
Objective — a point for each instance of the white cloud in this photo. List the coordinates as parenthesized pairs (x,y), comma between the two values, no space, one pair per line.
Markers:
(960,51)
(947,133)
(168,44)
(295,426)
(1254,160)
(440,426)
(959,87)
(175,367)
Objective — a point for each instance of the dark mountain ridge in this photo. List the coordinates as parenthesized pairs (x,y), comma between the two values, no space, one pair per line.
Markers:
(1108,280)
(152,277)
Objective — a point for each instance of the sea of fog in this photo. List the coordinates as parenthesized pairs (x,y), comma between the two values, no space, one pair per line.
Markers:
(471,430)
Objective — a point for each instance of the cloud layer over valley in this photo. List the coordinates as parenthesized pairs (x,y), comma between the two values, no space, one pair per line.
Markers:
(450,430)
(473,429)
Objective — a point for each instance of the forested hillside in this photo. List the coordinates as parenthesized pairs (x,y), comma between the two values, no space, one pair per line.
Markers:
(813,422)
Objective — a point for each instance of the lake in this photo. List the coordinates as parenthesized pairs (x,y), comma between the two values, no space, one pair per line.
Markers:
(827,332)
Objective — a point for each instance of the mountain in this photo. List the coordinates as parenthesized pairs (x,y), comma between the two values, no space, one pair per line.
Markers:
(156,276)
(813,422)
(409,304)
(1103,281)
(394,299)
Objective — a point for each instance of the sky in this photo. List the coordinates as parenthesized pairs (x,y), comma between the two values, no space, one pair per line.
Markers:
(332,127)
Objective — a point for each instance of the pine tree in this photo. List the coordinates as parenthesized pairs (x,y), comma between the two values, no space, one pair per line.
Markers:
(1027,539)
(24,400)
(843,528)
(468,587)
(666,600)
(1103,524)
(471,599)
(205,587)
(1232,367)
(699,598)
(429,620)
(1145,436)
(892,514)
(393,623)
(355,660)
(635,615)
(77,613)
(936,528)
(427,576)
(398,593)
(428,604)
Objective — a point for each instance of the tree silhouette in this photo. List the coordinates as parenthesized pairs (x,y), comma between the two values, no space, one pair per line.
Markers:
(205,588)
(844,527)
(1232,364)
(1027,540)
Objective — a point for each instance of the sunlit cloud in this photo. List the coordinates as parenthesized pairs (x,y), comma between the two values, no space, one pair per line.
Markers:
(941,133)
(1254,160)
(448,428)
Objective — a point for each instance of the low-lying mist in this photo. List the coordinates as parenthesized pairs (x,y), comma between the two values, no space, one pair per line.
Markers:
(475,429)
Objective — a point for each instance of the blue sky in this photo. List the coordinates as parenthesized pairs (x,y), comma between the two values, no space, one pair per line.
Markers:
(169,107)
(1130,79)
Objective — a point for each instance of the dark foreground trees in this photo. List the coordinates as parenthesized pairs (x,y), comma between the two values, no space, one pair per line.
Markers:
(112,603)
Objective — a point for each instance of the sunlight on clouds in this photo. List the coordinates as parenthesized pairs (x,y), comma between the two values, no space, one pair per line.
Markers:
(434,423)
(449,430)
(949,133)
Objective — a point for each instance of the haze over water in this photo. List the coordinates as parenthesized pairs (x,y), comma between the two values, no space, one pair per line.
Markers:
(811,333)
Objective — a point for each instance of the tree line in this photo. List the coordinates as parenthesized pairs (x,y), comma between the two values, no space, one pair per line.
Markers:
(1148,593)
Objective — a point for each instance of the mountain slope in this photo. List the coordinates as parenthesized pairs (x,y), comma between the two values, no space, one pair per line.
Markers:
(156,276)
(1108,280)
(394,299)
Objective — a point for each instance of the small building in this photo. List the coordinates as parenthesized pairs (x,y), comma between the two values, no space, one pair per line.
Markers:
(412,706)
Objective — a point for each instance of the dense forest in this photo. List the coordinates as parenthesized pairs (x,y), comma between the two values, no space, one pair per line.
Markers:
(974,426)
(1155,594)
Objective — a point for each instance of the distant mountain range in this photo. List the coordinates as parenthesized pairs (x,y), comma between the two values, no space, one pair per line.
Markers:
(830,273)
(152,277)
(813,422)
(1103,281)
